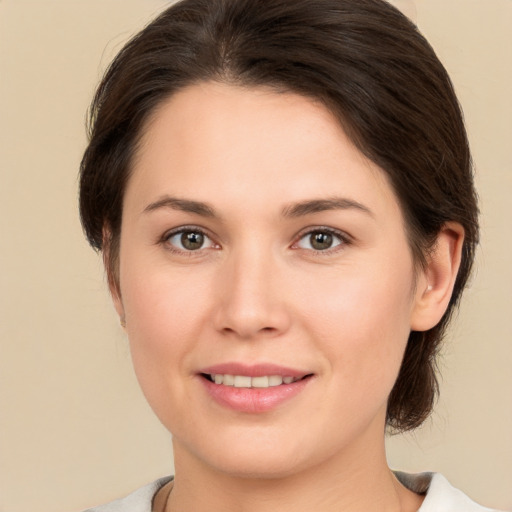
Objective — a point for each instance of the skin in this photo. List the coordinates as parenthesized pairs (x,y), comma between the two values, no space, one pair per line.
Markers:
(257,291)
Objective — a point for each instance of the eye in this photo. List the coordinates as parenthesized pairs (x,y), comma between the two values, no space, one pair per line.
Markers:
(320,240)
(188,240)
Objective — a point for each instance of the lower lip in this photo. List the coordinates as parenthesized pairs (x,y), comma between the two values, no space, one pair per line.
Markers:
(254,400)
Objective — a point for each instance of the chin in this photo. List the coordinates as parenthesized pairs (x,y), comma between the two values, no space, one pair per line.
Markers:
(255,455)
(261,467)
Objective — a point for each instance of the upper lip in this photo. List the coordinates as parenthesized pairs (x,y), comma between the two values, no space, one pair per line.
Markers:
(253,370)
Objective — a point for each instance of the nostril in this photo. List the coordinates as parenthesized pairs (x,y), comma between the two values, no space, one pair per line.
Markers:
(250,319)
(269,330)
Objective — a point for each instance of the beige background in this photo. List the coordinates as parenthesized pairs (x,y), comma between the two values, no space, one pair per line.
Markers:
(74,429)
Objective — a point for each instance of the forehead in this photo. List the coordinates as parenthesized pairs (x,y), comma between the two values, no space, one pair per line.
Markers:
(230,142)
(218,115)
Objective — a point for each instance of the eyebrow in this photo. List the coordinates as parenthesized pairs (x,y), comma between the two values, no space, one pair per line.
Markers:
(321,205)
(291,211)
(184,205)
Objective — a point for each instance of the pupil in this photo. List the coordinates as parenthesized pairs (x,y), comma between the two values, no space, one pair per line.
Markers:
(321,241)
(192,241)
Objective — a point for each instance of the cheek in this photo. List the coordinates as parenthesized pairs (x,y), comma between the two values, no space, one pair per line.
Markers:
(160,300)
(363,323)
(165,316)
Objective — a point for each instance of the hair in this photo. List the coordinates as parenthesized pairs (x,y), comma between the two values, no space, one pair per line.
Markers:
(365,61)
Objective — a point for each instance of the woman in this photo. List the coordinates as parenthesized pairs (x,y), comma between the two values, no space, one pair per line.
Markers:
(283,195)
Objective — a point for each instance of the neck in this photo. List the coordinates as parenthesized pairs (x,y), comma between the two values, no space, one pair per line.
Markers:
(349,482)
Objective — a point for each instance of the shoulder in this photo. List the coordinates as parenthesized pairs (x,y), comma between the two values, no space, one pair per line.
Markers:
(440,495)
(139,501)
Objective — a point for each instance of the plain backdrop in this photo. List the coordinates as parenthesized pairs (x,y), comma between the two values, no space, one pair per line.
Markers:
(74,428)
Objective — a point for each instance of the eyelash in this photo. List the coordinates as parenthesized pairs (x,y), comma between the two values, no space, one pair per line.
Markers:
(342,237)
(165,240)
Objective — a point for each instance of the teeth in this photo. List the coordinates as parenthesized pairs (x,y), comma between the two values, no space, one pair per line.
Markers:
(259,382)
(275,380)
(228,380)
(244,381)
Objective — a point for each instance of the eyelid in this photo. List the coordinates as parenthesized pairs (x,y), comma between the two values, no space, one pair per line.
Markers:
(164,240)
(344,237)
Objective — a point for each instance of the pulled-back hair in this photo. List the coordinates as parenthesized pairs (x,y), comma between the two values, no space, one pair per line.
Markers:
(365,61)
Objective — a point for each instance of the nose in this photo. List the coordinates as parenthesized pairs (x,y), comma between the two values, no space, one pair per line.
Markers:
(252,296)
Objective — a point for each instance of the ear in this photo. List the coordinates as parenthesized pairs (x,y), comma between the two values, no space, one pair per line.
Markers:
(111,264)
(436,281)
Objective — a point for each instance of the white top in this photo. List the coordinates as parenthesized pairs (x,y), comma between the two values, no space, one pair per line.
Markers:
(440,496)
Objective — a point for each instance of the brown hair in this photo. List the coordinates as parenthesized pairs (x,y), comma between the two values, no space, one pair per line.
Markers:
(364,60)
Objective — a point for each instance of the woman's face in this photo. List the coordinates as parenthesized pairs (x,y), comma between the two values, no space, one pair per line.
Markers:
(260,246)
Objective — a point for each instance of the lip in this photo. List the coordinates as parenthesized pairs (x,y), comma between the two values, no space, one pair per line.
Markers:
(257,370)
(254,400)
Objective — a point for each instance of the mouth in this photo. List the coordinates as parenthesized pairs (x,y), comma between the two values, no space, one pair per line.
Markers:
(253,389)
(246,381)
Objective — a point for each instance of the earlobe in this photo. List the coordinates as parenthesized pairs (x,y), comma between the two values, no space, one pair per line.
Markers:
(438,278)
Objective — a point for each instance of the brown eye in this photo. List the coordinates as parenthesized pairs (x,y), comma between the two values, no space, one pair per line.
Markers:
(320,240)
(192,240)
(188,240)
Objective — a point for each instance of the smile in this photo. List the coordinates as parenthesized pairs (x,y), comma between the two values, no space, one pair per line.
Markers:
(253,389)
(245,381)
